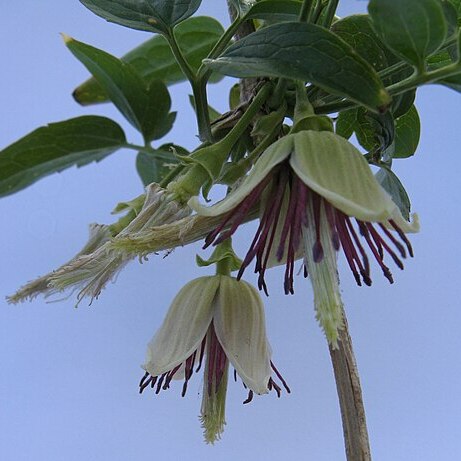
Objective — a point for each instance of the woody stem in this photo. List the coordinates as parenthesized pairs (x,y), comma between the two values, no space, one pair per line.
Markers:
(350,398)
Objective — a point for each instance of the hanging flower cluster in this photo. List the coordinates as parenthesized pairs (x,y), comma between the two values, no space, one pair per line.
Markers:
(314,194)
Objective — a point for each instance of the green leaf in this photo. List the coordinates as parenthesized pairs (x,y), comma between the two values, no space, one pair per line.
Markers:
(234,96)
(357,31)
(392,185)
(414,29)
(148,15)
(346,122)
(305,52)
(451,16)
(457,6)
(375,132)
(279,10)
(402,103)
(407,132)
(154,166)
(55,147)
(154,60)
(146,108)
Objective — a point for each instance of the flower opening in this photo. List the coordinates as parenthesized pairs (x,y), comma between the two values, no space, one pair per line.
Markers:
(281,230)
(307,185)
(218,322)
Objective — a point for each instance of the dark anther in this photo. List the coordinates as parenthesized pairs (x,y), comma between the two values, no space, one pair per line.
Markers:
(249,398)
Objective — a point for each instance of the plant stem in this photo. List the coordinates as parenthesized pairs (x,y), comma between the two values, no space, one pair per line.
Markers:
(305,10)
(237,131)
(424,78)
(198,90)
(350,398)
(171,175)
(201,109)
(203,73)
(330,13)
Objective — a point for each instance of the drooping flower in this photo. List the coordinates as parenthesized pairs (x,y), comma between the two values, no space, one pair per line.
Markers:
(221,321)
(99,235)
(317,194)
(100,262)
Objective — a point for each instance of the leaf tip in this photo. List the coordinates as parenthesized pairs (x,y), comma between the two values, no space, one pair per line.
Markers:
(67,39)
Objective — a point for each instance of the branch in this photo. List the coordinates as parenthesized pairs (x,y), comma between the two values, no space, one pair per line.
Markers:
(350,398)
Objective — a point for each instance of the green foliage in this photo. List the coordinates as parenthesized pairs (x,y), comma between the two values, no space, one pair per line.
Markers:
(145,107)
(305,52)
(351,69)
(155,165)
(154,60)
(407,133)
(382,134)
(395,189)
(357,31)
(148,15)
(55,147)
(413,29)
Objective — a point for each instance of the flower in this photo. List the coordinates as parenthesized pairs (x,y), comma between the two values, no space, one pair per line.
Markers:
(222,319)
(311,186)
(100,261)
(99,235)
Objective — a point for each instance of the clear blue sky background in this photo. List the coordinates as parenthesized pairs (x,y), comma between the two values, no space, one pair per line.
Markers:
(68,377)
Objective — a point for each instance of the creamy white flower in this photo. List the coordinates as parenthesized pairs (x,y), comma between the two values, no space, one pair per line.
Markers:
(310,186)
(222,319)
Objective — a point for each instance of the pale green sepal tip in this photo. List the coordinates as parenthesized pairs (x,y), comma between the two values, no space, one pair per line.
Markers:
(273,155)
(240,328)
(336,170)
(222,252)
(184,327)
(134,204)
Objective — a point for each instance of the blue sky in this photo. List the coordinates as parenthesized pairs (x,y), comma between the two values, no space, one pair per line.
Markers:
(68,386)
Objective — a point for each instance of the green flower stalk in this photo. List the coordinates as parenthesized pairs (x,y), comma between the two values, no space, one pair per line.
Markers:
(218,320)
(311,186)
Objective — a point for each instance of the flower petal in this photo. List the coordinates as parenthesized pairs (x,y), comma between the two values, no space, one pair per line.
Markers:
(184,327)
(271,157)
(335,169)
(99,235)
(240,327)
(89,273)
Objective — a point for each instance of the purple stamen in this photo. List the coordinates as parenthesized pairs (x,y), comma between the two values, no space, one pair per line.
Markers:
(282,180)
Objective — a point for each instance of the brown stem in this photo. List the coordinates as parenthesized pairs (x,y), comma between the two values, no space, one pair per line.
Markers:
(350,398)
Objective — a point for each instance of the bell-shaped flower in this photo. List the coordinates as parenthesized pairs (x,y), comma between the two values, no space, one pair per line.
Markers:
(221,321)
(311,186)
